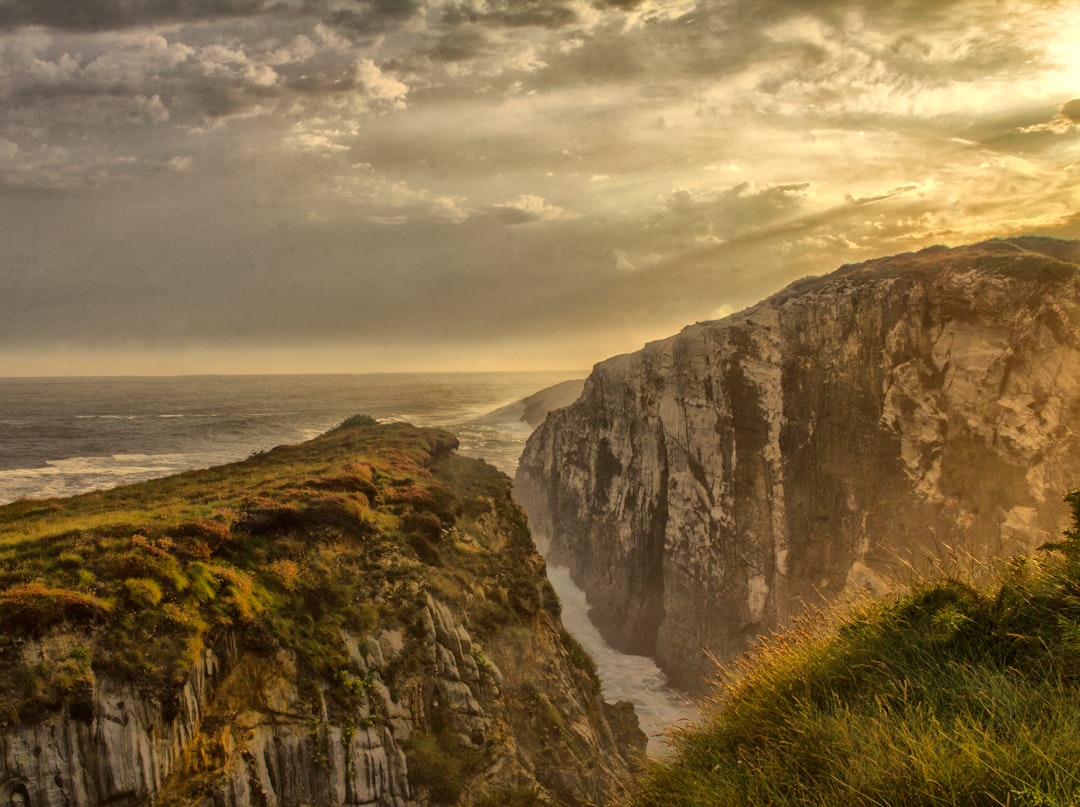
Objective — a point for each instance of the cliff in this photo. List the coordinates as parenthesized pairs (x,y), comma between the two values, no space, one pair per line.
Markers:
(362,619)
(704,489)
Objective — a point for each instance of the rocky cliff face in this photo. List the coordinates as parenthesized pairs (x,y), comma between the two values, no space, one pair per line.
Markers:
(246,735)
(378,633)
(705,488)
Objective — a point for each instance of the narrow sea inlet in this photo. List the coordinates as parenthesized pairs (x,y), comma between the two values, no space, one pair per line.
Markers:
(65,436)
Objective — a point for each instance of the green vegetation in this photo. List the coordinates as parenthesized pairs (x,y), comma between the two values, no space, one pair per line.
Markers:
(947,695)
(521,796)
(287,549)
(580,658)
(439,763)
(354,420)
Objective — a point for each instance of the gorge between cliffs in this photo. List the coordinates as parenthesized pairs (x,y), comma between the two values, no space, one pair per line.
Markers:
(849,431)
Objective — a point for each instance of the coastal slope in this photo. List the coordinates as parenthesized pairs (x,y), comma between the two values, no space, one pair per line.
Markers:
(946,693)
(360,619)
(851,427)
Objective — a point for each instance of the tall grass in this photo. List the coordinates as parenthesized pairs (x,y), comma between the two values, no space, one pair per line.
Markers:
(945,695)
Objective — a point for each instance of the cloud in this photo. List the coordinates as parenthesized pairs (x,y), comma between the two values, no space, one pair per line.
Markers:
(744,204)
(179,77)
(1066,120)
(359,193)
(527,209)
(51,169)
(679,157)
(179,164)
(311,141)
(381,89)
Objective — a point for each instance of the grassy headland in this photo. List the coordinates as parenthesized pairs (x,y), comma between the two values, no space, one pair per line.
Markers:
(949,694)
(292,547)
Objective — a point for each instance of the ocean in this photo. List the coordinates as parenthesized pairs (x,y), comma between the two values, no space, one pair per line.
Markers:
(65,436)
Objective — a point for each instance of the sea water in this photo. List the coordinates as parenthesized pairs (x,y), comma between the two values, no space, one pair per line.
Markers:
(65,436)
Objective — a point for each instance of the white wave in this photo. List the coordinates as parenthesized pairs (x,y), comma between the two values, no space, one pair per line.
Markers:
(624,677)
(70,476)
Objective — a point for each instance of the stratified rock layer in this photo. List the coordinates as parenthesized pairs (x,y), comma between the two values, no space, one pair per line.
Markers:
(705,488)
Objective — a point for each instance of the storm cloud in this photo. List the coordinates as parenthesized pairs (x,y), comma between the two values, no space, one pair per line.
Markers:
(463,183)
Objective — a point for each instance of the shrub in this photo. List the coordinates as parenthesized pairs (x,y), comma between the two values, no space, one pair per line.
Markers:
(352,421)
(200,538)
(425,525)
(142,592)
(34,607)
(580,658)
(437,762)
(202,585)
(286,572)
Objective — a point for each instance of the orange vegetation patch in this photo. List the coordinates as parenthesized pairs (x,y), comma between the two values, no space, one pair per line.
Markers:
(33,607)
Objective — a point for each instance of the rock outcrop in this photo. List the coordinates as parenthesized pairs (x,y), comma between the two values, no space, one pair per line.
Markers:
(704,489)
(384,636)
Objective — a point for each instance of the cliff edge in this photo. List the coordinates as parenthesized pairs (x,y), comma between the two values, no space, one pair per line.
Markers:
(707,487)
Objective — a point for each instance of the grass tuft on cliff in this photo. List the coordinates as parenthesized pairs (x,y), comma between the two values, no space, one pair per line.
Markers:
(946,695)
(291,549)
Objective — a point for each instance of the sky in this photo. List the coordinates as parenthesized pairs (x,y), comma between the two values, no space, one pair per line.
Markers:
(250,186)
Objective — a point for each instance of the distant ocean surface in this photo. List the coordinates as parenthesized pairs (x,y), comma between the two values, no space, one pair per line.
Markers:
(65,436)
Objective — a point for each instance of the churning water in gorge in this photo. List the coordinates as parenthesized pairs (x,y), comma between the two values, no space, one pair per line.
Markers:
(65,436)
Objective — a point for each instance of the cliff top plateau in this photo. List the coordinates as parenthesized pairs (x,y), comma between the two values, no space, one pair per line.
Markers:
(1034,258)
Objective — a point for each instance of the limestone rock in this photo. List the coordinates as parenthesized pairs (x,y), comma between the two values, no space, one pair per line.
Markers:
(704,489)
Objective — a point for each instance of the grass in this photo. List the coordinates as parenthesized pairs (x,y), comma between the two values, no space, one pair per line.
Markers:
(946,695)
(288,548)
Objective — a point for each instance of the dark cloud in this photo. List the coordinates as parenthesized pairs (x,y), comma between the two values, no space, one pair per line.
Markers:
(216,100)
(364,19)
(459,45)
(1070,110)
(512,14)
(237,279)
(98,15)
(514,215)
(355,17)
(604,58)
(730,213)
